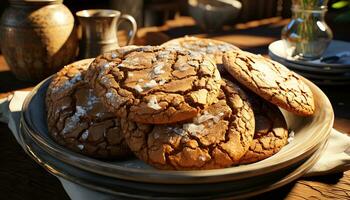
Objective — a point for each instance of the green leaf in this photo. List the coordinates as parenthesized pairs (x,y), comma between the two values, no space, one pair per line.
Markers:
(340,4)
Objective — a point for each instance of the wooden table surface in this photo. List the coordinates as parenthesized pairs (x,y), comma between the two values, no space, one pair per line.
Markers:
(21,178)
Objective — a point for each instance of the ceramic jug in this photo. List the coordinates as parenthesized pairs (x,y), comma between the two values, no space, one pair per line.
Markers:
(99,31)
(37,38)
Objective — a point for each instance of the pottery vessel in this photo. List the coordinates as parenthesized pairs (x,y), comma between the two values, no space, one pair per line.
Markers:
(37,38)
(99,31)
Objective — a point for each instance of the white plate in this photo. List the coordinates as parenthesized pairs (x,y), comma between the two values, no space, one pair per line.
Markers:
(277,52)
(122,189)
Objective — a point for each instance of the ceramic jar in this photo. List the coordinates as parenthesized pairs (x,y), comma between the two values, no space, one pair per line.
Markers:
(38,37)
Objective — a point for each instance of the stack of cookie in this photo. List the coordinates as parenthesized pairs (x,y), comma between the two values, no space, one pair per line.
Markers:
(186,105)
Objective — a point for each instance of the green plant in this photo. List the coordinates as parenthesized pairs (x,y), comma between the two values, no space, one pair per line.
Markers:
(344,5)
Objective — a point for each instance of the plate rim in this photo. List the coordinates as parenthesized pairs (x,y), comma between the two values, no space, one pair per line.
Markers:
(336,66)
(296,173)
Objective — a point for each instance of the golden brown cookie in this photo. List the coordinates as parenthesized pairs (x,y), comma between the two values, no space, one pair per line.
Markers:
(270,80)
(155,85)
(218,137)
(271,132)
(77,119)
(212,48)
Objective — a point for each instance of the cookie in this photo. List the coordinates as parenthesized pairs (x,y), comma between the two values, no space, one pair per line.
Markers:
(271,132)
(155,85)
(270,80)
(218,137)
(212,48)
(77,119)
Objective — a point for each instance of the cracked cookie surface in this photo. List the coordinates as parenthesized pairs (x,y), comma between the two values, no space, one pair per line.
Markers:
(270,80)
(77,119)
(155,85)
(212,48)
(218,137)
(271,132)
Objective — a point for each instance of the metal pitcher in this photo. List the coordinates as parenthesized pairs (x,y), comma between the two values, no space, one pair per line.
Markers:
(99,31)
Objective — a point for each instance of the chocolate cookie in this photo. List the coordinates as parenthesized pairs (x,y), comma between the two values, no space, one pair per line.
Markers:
(218,137)
(212,48)
(270,80)
(77,119)
(271,132)
(155,85)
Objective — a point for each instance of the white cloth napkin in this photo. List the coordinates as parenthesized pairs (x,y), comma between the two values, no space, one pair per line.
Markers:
(335,158)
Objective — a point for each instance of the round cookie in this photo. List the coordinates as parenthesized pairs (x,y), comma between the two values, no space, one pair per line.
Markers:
(77,119)
(155,85)
(270,80)
(218,137)
(271,132)
(212,48)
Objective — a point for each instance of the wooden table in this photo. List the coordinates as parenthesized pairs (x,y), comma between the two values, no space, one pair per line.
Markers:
(21,178)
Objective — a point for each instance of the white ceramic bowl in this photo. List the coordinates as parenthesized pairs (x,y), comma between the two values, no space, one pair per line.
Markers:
(212,14)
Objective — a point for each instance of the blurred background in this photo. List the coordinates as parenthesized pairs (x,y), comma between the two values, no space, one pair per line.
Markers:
(157,12)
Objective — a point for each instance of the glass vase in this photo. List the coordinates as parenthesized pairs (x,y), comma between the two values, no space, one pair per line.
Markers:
(307,35)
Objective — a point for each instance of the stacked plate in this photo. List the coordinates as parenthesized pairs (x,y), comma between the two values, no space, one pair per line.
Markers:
(321,73)
(133,179)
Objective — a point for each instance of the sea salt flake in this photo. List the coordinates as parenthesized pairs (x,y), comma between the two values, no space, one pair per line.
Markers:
(158,69)
(80,146)
(114,55)
(163,54)
(85,135)
(207,116)
(196,55)
(162,82)
(177,130)
(225,48)
(151,84)
(106,65)
(140,80)
(109,95)
(193,129)
(92,100)
(211,49)
(130,74)
(70,83)
(121,65)
(202,158)
(138,88)
(176,48)
(73,120)
(147,48)
(61,108)
(184,139)
(152,103)
(217,118)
